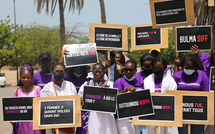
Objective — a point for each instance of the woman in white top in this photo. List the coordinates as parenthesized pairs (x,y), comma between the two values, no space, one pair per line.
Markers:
(160,82)
(58,87)
(99,123)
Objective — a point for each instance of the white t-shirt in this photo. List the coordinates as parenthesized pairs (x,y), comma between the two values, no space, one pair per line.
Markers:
(67,88)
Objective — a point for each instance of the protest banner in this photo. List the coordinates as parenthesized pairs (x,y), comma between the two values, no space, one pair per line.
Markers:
(99,99)
(145,37)
(212,79)
(168,111)
(17,109)
(170,13)
(186,37)
(80,54)
(198,107)
(109,36)
(57,112)
(134,104)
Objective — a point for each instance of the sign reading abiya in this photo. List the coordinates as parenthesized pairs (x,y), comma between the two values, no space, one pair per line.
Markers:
(17,108)
(186,37)
(80,54)
(134,104)
(99,99)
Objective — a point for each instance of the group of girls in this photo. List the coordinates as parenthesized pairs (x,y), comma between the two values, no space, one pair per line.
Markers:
(153,76)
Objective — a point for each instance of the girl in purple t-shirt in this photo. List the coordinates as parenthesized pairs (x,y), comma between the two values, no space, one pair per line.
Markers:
(27,89)
(128,83)
(146,66)
(192,79)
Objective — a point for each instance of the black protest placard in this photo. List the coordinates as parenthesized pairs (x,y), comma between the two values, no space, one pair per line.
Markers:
(186,37)
(17,109)
(146,35)
(133,105)
(99,99)
(164,107)
(170,12)
(106,37)
(80,54)
(57,112)
(195,108)
(212,79)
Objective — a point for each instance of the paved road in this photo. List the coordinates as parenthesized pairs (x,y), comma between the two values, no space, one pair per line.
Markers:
(5,127)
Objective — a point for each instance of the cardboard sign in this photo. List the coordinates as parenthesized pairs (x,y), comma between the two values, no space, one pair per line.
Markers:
(133,105)
(169,13)
(56,112)
(168,111)
(186,37)
(109,36)
(164,107)
(99,99)
(195,108)
(17,109)
(80,54)
(212,79)
(198,107)
(145,37)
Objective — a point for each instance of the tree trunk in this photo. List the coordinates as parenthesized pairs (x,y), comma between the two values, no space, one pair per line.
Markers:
(62,25)
(103,15)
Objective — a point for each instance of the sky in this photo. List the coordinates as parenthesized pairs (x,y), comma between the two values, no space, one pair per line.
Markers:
(125,12)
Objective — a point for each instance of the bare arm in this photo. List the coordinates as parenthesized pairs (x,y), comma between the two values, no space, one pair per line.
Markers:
(195,50)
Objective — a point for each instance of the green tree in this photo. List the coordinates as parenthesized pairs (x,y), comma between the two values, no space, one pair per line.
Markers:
(36,39)
(7,40)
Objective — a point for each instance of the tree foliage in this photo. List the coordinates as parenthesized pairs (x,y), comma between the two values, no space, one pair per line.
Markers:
(7,40)
(30,41)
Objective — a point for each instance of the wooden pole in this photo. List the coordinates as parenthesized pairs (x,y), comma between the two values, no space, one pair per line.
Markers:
(109,67)
(176,53)
(189,129)
(157,130)
(57,130)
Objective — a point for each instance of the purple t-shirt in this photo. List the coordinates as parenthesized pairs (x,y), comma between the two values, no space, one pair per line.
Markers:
(158,84)
(41,79)
(121,83)
(140,76)
(198,81)
(76,81)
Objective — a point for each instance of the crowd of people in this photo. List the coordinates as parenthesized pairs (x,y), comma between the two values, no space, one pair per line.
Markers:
(191,73)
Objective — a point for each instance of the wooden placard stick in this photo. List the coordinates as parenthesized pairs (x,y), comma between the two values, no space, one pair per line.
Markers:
(109,66)
(176,53)
(57,130)
(157,130)
(189,129)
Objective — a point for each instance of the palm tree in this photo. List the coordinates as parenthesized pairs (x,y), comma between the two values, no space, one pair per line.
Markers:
(102,7)
(203,13)
(78,4)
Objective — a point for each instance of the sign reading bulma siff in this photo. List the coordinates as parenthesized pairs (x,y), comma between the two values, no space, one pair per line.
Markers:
(186,37)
